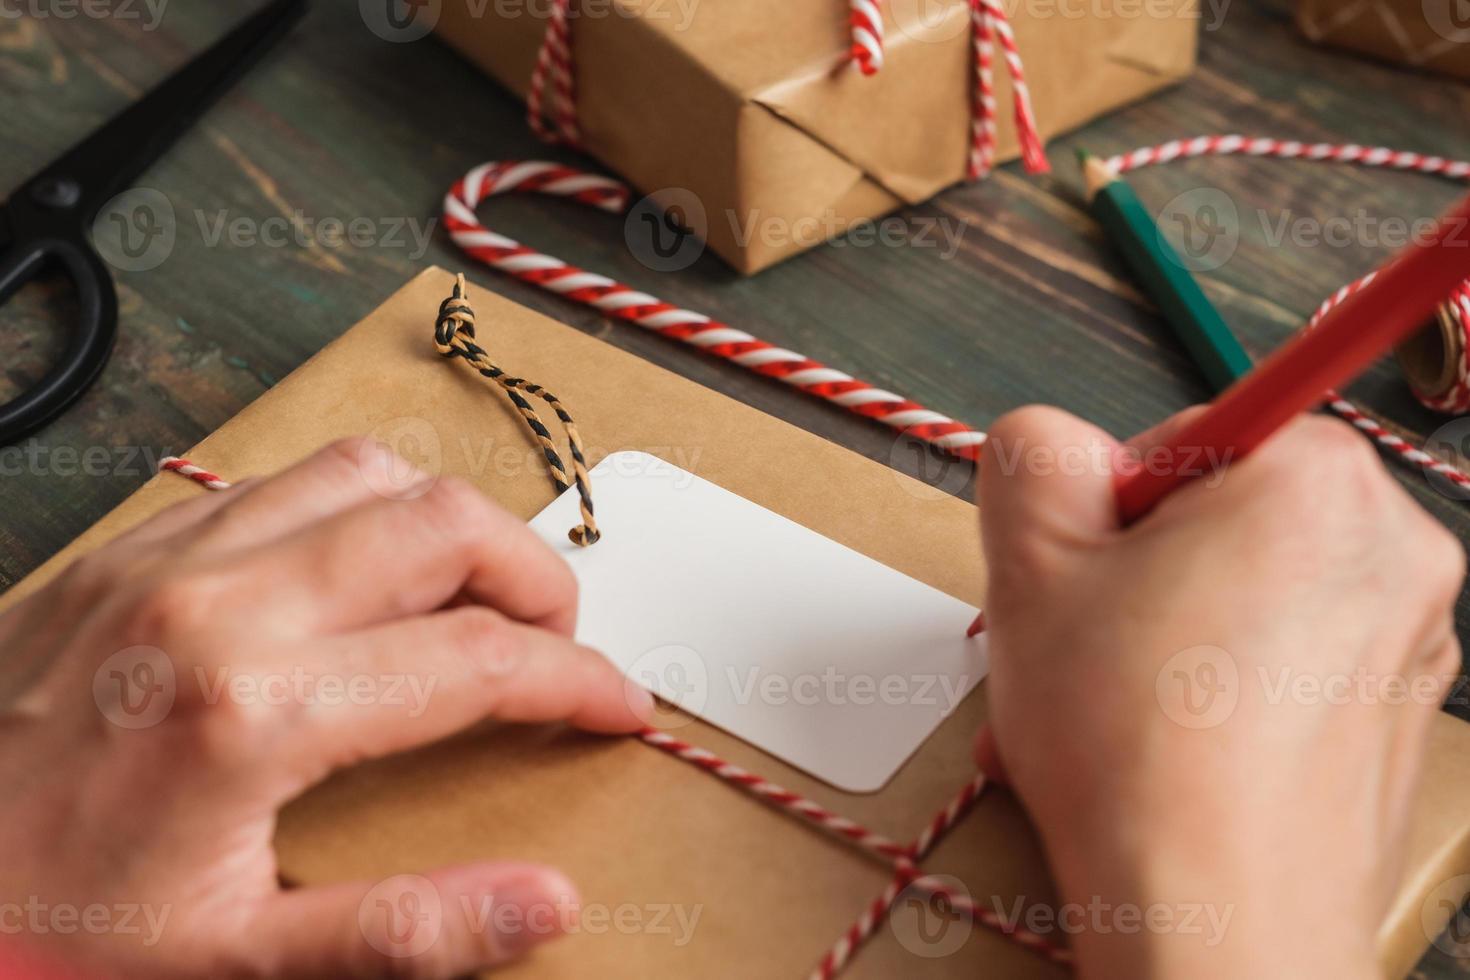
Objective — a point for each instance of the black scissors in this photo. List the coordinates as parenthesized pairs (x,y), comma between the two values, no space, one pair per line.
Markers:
(45,222)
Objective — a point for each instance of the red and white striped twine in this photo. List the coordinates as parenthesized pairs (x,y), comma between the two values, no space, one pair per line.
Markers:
(556,67)
(1457,399)
(626,303)
(183,467)
(618,300)
(867,36)
(989,22)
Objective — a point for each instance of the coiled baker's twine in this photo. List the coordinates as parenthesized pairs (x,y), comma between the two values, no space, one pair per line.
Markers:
(555,67)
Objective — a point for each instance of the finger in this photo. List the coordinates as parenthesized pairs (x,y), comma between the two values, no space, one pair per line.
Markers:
(1045,476)
(184,516)
(449,923)
(987,756)
(1165,432)
(1428,682)
(422,679)
(338,477)
(392,558)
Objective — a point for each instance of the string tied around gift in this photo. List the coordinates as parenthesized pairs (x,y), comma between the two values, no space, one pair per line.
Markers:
(552,115)
(902,859)
(454,337)
(617,300)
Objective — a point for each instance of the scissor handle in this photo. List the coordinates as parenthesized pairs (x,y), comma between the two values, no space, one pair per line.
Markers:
(90,342)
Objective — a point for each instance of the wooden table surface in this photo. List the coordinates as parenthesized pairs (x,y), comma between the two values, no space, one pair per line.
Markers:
(1032,307)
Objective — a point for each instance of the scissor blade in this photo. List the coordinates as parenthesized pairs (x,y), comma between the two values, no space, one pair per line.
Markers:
(112,158)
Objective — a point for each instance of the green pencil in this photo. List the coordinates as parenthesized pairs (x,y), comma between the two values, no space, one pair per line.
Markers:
(1164,275)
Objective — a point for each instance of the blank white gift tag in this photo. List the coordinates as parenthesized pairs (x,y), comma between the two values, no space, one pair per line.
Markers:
(818,654)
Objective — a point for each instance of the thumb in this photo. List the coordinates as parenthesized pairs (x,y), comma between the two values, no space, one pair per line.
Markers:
(449,923)
(1045,474)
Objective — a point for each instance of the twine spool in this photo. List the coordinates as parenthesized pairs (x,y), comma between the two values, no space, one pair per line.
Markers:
(1434,364)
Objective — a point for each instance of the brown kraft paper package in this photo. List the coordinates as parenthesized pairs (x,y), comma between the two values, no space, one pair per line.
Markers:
(646,836)
(753,107)
(1433,35)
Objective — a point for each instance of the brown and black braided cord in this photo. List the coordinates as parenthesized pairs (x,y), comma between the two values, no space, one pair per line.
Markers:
(454,336)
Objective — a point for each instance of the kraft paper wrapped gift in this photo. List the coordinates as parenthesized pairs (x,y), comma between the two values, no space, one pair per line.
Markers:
(754,107)
(637,829)
(1430,34)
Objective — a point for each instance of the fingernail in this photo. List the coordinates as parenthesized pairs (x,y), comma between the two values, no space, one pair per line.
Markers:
(641,703)
(533,909)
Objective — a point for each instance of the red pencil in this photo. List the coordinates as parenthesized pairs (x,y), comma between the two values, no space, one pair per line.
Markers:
(1402,298)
